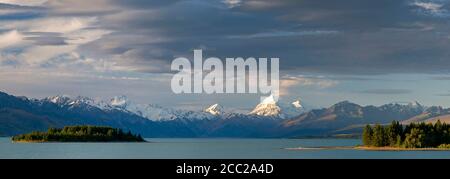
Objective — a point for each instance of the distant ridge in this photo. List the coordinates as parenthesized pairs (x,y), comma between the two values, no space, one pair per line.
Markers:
(22,115)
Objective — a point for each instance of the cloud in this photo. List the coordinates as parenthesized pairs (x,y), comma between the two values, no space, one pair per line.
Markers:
(298,32)
(51,24)
(443,78)
(263,4)
(335,43)
(44,38)
(283,34)
(10,38)
(311,81)
(24,2)
(288,82)
(37,55)
(232,3)
(443,94)
(434,7)
(387,91)
(81,8)
(38,41)
(60,25)
(351,37)
(132,60)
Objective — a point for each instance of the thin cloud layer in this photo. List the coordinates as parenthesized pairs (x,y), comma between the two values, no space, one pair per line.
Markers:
(387,91)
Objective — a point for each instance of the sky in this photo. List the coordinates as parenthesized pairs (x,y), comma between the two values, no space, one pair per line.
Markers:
(368,52)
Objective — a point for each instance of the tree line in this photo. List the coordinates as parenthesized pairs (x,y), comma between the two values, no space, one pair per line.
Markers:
(80,134)
(414,135)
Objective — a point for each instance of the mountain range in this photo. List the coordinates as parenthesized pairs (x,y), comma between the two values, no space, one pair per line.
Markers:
(268,119)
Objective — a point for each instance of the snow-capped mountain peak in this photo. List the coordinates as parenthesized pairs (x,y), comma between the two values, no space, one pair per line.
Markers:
(297,104)
(60,99)
(292,109)
(119,101)
(268,107)
(215,109)
(411,103)
(80,101)
(415,104)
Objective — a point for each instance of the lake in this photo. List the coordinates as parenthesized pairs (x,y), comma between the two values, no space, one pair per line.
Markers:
(204,149)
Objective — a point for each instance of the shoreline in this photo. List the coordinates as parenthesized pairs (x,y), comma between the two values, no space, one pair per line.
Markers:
(367,148)
(32,141)
(399,149)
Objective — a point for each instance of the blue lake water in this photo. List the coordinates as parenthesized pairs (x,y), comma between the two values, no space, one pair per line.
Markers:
(204,149)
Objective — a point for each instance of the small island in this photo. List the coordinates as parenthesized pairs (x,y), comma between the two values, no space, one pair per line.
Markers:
(414,136)
(80,134)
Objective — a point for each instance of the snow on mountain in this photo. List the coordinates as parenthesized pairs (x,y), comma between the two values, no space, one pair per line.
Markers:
(149,111)
(119,101)
(268,107)
(59,100)
(215,109)
(413,106)
(155,112)
(297,104)
(67,101)
(293,109)
(416,105)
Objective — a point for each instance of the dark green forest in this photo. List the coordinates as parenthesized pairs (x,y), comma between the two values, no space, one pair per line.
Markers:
(414,135)
(80,134)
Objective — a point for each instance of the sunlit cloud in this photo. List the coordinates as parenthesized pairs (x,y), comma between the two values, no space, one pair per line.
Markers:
(24,2)
(434,7)
(10,38)
(288,82)
(283,34)
(232,3)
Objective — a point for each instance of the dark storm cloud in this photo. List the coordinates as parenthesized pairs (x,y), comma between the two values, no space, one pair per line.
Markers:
(332,37)
(5,6)
(347,14)
(13,12)
(387,91)
(368,37)
(45,38)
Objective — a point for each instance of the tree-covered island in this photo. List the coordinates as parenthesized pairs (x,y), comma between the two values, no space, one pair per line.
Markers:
(80,134)
(408,137)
